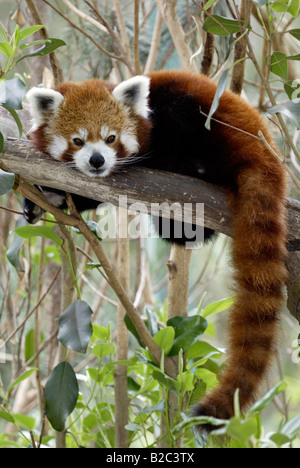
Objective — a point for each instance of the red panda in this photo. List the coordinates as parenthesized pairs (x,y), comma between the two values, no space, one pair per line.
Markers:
(96,127)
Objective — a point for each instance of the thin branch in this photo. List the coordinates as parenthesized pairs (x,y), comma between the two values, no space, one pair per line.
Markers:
(122,26)
(137,67)
(113,56)
(55,65)
(230,126)
(155,42)
(13,333)
(240,47)
(168,11)
(120,376)
(271,97)
(291,174)
(118,288)
(117,44)
(85,17)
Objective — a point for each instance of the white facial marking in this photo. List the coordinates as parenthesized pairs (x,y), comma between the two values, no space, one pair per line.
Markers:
(83,156)
(129,142)
(106,132)
(57,147)
(82,134)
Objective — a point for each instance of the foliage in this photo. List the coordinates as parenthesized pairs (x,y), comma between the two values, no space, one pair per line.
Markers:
(13,51)
(76,394)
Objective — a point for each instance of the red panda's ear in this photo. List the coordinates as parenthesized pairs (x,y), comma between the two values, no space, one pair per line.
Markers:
(43,103)
(134,92)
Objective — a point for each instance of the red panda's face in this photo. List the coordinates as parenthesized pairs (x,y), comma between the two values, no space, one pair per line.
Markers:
(88,125)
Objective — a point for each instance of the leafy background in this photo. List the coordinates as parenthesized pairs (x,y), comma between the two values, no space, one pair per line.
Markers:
(78,393)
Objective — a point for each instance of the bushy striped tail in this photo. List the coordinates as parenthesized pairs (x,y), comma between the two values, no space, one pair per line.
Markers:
(259,253)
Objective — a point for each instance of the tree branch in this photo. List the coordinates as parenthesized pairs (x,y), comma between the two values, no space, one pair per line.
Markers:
(75,220)
(138,184)
(168,11)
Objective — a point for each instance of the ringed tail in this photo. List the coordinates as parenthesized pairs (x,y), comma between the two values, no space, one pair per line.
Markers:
(258,254)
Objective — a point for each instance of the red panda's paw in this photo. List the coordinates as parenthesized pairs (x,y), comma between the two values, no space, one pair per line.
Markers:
(32,212)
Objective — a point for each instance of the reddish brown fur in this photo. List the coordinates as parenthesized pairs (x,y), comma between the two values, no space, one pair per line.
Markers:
(259,252)
(257,201)
(81,101)
(257,187)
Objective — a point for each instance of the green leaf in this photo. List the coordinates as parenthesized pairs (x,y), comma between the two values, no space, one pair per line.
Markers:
(130,326)
(151,322)
(268,397)
(187,331)
(292,427)
(219,92)
(208,4)
(29,344)
(6,49)
(290,109)
(27,422)
(93,227)
(31,44)
(222,26)
(21,377)
(61,394)
(193,421)
(219,306)
(165,380)
(101,333)
(12,93)
(26,32)
(279,64)
(102,349)
(164,339)
(292,89)
(295,33)
(7,181)
(201,349)
(3,34)
(75,327)
(280,439)
(186,382)
(241,429)
(132,385)
(6,416)
(289,6)
(50,45)
(13,252)
(294,57)
(202,361)
(132,427)
(43,231)
(16,119)
(15,37)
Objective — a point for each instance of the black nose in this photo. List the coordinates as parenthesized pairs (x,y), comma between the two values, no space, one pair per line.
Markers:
(97,160)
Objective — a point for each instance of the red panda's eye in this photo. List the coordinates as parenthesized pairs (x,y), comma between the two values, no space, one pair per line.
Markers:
(78,141)
(110,139)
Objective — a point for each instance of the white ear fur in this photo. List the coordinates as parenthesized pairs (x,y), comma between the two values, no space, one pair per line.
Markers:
(41,101)
(134,92)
